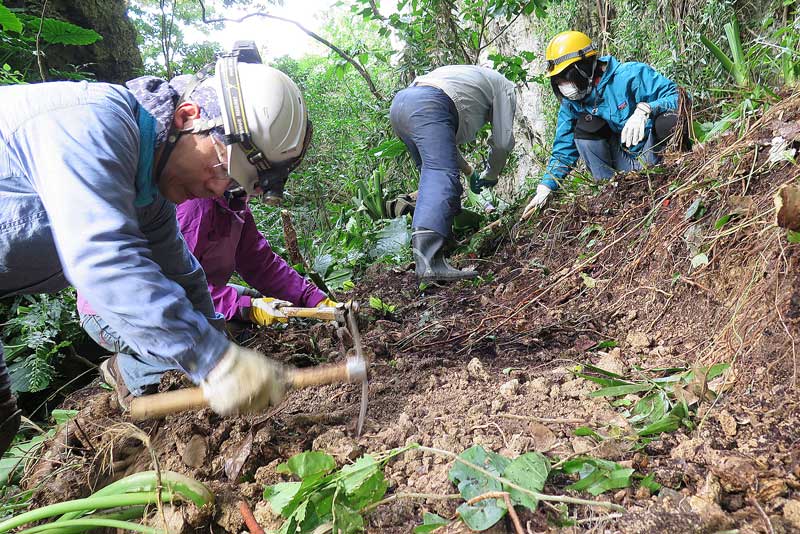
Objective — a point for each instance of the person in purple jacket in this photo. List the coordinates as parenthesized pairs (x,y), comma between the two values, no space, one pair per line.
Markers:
(222,235)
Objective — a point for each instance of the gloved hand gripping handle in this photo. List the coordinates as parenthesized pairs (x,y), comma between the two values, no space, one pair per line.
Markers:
(354,370)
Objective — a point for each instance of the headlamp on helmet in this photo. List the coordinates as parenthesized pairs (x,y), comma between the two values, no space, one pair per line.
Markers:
(267,131)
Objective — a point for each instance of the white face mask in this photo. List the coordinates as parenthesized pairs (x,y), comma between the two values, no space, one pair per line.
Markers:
(571,91)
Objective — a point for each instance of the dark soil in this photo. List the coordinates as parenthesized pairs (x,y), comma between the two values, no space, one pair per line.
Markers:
(490,363)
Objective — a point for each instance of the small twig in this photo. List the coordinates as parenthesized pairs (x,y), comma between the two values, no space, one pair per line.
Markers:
(509,505)
(764,516)
(249,518)
(293,249)
(39,53)
(554,420)
(596,519)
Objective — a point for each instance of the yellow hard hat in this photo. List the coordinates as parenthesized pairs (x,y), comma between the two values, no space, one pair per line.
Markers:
(567,48)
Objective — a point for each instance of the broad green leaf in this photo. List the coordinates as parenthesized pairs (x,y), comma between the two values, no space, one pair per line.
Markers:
(792,236)
(370,491)
(585,431)
(346,520)
(529,471)
(60,32)
(620,391)
(650,483)
(722,221)
(669,423)
(483,514)
(472,483)
(600,370)
(308,464)
(587,464)
(9,20)
(430,522)
(694,209)
(355,475)
(280,495)
(62,416)
(716,370)
(619,478)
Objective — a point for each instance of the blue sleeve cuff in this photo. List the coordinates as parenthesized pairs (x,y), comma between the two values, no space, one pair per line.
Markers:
(549,182)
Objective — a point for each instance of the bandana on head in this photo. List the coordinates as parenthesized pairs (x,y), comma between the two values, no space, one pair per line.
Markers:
(160,97)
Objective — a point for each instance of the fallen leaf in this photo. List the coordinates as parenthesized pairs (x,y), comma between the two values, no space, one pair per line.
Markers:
(237,458)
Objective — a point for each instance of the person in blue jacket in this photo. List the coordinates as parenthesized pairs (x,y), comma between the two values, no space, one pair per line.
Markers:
(614,116)
(89,176)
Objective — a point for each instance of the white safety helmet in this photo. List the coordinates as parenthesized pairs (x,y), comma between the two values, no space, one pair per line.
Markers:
(275,117)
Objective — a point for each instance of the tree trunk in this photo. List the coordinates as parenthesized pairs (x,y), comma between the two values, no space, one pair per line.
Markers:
(115,58)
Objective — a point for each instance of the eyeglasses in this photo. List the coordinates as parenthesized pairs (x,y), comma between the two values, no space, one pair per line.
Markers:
(220,169)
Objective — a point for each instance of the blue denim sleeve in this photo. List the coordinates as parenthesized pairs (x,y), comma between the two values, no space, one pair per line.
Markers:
(159,224)
(565,153)
(82,160)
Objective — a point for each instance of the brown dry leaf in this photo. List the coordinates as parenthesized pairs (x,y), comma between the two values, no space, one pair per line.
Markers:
(788,130)
(195,451)
(238,456)
(543,438)
(735,473)
(771,489)
(727,422)
(741,205)
(787,207)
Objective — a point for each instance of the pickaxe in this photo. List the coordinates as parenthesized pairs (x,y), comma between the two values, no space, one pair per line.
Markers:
(353,370)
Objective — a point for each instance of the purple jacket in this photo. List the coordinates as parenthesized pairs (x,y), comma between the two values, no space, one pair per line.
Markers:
(226,240)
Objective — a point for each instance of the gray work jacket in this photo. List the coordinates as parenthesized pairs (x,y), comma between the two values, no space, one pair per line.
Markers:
(481,95)
(69,156)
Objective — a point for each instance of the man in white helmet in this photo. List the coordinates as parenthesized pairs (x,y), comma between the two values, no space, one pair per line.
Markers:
(89,175)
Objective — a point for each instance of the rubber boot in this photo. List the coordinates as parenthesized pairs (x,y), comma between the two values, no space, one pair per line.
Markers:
(430,263)
(9,413)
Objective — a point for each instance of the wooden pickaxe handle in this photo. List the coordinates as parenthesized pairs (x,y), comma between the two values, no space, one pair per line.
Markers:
(323,313)
(181,400)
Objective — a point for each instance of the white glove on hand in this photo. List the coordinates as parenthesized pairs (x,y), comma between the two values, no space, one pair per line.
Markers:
(244,381)
(542,192)
(633,131)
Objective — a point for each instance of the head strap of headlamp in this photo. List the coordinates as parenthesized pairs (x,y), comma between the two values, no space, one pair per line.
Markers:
(246,52)
(233,105)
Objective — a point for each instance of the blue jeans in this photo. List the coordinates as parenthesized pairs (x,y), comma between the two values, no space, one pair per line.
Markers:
(140,375)
(426,120)
(605,156)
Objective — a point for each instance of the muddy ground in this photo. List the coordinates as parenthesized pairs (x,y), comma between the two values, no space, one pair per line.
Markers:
(490,363)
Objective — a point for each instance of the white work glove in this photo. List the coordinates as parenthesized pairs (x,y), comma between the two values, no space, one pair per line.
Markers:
(542,192)
(267,311)
(633,131)
(244,381)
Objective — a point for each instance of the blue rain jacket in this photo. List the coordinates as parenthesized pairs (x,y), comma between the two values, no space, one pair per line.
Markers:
(621,87)
(72,212)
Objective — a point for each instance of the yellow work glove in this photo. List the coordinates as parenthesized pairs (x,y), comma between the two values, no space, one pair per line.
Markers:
(244,381)
(266,311)
(327,302)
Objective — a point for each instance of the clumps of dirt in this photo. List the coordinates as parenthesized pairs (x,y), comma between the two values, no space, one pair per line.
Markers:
(679,267)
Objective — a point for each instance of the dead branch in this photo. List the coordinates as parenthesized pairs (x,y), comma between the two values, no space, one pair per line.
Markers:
(361,70)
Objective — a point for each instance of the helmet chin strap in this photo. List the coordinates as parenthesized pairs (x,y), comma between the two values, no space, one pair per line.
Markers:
(588,75)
